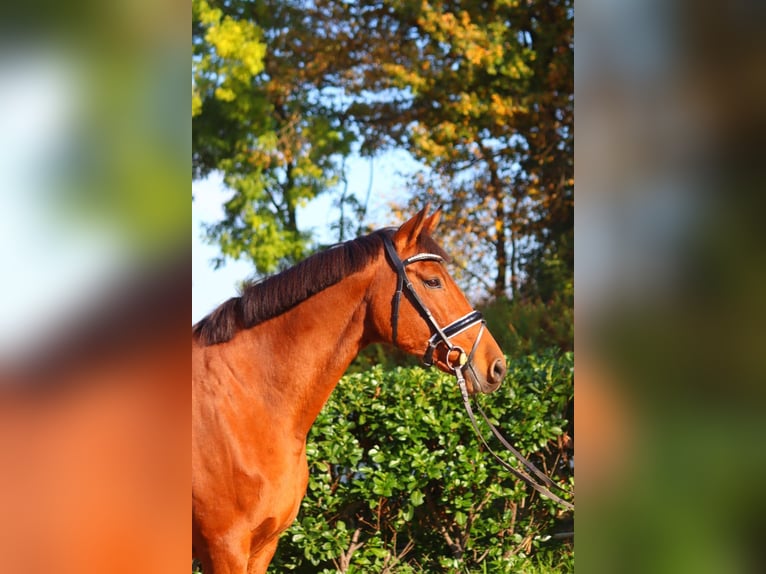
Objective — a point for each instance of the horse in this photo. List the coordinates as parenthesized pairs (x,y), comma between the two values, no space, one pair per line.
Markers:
(265,363)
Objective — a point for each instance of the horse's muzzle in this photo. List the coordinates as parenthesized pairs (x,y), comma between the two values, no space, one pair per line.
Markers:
(496,373)
(488,383)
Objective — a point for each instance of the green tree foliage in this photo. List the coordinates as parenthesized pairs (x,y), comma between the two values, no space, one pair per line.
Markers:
(480,92)
(261,116)
(523,326)
(400,483)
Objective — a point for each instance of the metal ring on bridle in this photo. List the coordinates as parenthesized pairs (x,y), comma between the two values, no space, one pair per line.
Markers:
(462,358)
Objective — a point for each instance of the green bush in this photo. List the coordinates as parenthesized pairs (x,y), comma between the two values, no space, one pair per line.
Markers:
(525,326)
(399,482)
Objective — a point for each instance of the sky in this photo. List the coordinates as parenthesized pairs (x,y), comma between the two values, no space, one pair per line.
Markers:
(211,287)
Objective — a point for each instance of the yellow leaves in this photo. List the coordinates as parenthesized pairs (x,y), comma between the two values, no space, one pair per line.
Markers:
(238,41)
(474,105)
(404,78)
(467,104)
(235,55)
(518,67)
(196,103)
(481,45)
(465,19)
(447,131)
(448,23)
(463,104)
(207,15)
(225,94)
(306,169)
(476,54)
(425,144)
(443,26)
(444,141)
(501,108)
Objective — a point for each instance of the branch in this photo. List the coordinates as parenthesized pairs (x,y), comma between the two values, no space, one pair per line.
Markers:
(393,560)
(344,562)
(454,546)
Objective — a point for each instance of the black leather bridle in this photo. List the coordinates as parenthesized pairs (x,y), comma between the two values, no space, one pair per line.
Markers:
(543,484)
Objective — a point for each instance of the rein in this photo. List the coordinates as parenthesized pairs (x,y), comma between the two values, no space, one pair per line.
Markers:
(518,473)
(463,362)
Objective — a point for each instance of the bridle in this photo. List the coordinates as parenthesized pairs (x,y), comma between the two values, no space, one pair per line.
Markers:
(463,362)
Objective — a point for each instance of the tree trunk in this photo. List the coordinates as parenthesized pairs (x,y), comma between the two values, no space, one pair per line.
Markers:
(501,253)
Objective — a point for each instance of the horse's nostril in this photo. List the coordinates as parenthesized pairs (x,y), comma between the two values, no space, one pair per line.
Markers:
(498,371)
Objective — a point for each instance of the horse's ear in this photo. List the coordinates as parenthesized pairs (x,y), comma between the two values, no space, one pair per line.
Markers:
(432,221)
(407,235)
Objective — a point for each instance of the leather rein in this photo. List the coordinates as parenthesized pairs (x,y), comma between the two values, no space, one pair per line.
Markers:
(542,483)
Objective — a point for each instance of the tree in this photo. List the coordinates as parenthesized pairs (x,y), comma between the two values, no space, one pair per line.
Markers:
(261,116)
(490,113)
(481,92)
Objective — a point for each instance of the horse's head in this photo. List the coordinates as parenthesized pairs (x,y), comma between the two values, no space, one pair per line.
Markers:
(419,308)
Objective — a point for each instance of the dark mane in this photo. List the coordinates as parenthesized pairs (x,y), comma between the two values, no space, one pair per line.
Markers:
(280,293)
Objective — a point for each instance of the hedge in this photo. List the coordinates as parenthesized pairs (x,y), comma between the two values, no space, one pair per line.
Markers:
(400,483)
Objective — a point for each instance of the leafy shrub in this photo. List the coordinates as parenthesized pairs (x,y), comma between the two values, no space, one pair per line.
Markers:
(399,482)
(526,326)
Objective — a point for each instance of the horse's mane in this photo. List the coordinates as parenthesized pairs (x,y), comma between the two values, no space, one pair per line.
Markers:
(280,293)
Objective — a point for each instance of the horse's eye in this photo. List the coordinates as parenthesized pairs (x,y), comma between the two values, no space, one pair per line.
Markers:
(434,283)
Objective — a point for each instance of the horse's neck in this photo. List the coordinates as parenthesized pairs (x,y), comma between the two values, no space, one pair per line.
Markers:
(307,349)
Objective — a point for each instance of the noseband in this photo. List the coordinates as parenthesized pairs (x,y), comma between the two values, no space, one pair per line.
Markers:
(438,334)
(443,336)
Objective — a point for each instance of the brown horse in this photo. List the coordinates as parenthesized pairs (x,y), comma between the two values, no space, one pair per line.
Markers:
(265,363)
